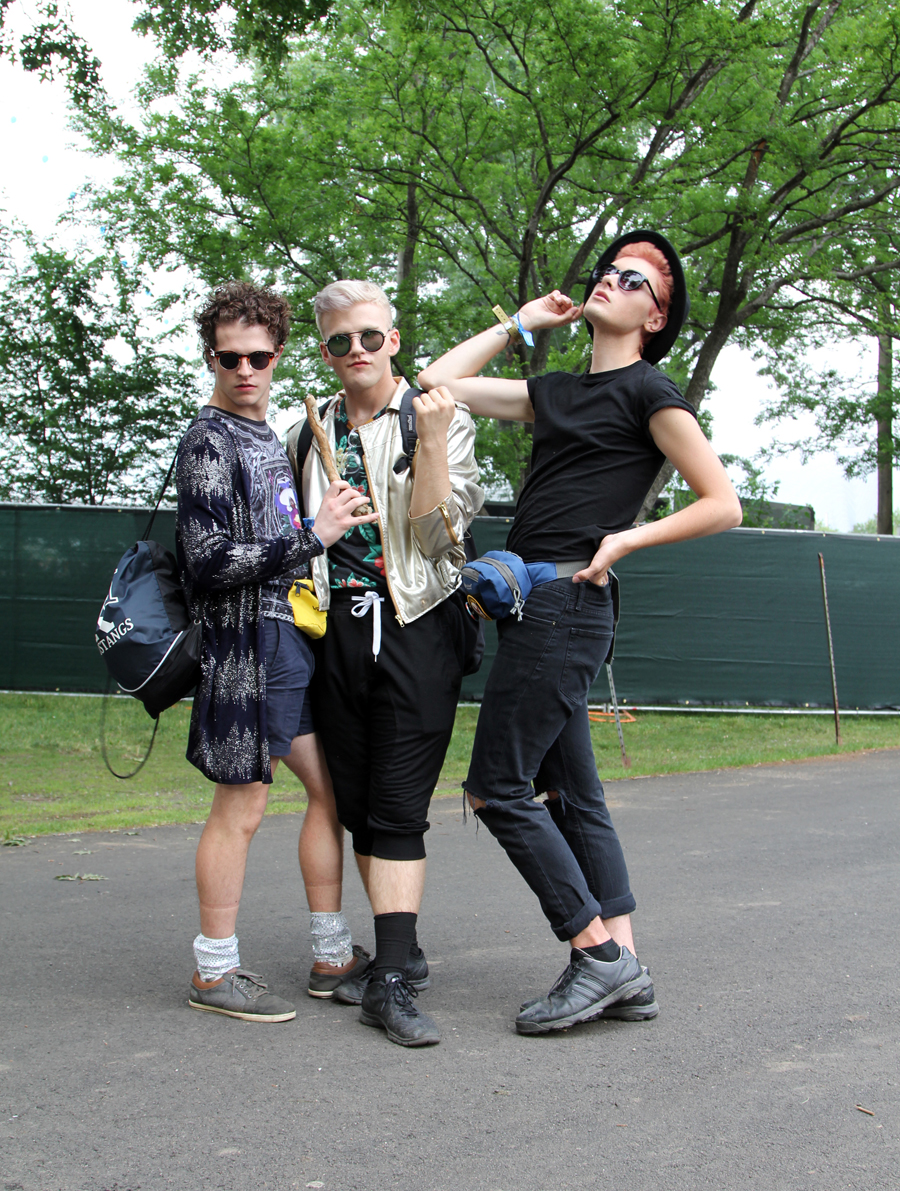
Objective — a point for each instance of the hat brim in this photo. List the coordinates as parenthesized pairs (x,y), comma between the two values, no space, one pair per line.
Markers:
(679,304)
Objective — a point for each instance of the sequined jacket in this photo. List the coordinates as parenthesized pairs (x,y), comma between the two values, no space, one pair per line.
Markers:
(422,555)
(222,565)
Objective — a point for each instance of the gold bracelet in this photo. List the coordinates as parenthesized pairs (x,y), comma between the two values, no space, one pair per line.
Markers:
(506,323)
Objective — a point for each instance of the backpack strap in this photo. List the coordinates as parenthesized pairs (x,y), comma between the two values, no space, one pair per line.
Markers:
(408,436)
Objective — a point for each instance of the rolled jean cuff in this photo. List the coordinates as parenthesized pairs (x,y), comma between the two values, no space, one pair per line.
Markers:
(588,912)
(614,907)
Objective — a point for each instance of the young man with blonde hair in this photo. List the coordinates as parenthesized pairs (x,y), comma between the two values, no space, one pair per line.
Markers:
(390,664)
(600,439)
(241,543)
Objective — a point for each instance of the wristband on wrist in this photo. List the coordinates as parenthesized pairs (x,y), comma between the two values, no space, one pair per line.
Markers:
(509,325)
(523,334)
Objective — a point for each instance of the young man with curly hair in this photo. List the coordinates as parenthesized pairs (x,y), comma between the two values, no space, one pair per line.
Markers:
(600,439)
(241,543)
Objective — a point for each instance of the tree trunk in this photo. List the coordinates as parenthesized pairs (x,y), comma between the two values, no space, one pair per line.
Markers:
(884,523)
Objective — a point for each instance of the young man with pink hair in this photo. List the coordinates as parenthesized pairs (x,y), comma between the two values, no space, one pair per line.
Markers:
(600,439)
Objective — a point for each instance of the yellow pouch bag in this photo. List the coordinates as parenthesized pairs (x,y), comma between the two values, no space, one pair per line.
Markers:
(308,616)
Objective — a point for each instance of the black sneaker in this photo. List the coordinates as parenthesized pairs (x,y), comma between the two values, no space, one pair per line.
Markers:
(239,994)
(583,992)
(641,1007)
(351,988)
(388,1004)
(324,978)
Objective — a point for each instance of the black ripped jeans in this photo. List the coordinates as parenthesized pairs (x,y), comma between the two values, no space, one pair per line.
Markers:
(533,735)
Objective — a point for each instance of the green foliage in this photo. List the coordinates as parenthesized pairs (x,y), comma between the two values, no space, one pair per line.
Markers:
(90,406)
(871,525)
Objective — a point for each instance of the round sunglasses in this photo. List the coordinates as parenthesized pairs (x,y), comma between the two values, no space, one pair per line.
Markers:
(230,360)
(631,279)
(369,341)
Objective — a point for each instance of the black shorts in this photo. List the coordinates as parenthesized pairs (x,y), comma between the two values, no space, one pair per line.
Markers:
(386,724)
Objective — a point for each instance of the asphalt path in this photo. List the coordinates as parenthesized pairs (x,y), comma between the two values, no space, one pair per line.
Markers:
(768,911)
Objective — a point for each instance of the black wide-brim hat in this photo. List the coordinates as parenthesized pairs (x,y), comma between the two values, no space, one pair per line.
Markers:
(679,304)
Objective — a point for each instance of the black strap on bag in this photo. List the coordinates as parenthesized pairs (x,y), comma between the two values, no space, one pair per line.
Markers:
(109,685)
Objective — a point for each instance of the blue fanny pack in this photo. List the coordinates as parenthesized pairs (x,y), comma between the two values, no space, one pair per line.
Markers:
(498,584)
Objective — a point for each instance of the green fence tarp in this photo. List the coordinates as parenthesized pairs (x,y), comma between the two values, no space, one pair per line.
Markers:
(731,619)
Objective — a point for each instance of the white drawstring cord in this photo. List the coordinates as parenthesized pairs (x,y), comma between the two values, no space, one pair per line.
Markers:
(361,605)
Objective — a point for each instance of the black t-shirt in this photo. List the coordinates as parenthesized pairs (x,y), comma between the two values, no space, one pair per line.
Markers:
(592,459)
(356,560)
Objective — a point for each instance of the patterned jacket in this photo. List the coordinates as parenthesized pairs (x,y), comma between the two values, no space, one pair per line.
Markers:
(222,565)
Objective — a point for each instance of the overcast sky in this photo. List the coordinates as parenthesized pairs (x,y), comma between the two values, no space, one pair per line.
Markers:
(45,165)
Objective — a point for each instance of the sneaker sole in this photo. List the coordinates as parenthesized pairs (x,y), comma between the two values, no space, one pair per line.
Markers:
(589,1013)
(325,995)
(369,1019)
(244,1016)
(632,1013)
(418,985)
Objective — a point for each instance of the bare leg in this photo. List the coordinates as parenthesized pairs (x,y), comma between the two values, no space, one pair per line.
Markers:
(363,863)
(321,844)
(235,814)
(396,886)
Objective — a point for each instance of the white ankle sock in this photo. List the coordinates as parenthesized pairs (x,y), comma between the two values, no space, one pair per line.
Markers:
(215,957)
(332,942)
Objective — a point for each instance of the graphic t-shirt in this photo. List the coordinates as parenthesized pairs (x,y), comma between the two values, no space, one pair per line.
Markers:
(593,459)
(273,499)
(355,560)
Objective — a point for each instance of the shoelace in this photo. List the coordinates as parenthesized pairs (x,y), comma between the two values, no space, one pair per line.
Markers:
(403,992)
(251,984)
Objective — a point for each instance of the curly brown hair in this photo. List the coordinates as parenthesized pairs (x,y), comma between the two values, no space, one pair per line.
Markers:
(241,302)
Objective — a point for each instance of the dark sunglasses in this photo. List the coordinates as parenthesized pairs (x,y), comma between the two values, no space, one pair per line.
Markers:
(369,341)
(631,279)
(230,360)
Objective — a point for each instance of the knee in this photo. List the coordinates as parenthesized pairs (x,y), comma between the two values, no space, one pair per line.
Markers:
(477,804)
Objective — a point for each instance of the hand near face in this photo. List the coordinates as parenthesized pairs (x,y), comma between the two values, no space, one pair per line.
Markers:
(553,310)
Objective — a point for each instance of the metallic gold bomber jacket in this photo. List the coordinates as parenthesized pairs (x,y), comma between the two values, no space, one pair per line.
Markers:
(422,555)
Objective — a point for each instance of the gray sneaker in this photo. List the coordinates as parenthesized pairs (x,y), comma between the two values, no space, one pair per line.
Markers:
(324,978)
(585,989)
(239,994)
(641,1006)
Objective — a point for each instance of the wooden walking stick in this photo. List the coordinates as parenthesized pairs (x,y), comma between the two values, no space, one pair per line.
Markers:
(325,451)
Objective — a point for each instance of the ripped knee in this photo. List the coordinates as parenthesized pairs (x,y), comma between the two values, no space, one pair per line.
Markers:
(477,804)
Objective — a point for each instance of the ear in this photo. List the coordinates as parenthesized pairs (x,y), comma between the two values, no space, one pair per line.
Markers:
(210,360)
(278,354)
(325,356)
(393,341)
(656,321)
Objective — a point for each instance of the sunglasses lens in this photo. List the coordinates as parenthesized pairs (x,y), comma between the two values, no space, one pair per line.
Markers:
(338,345)
(228,360)
(371,341)
(631,279)
(259,360)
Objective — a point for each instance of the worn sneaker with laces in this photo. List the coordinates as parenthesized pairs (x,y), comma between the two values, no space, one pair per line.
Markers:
(239,994)
(641,1006)
(583,991)
(324,978)
(351,988)
(388,1004)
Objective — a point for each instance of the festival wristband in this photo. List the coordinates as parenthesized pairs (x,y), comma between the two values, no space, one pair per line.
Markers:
(508,324)
(523,334)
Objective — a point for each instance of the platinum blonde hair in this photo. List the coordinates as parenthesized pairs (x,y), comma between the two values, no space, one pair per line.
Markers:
(341,295)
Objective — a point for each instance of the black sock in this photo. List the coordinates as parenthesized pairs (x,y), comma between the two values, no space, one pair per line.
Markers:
(394,936)
(608,952)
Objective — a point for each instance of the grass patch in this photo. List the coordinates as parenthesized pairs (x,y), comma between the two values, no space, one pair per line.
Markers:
(52,776)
